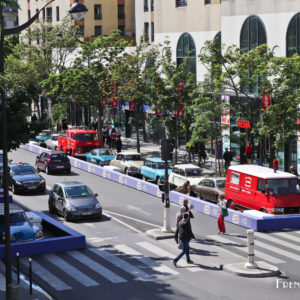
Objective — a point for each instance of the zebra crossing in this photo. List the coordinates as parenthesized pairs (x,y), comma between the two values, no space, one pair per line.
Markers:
(147,260)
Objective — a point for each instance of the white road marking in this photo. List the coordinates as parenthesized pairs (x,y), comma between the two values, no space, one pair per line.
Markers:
(96,267)
(70,270)
(43,273)
(120,263)
(287,236)
(146,260)
(99,240)
(165,254)
(139,209)
(258,253)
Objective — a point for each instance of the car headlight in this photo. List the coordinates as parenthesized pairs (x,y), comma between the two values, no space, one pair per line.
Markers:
(97,205)
(71,208)
(39,234)
(19,182)
(42,181)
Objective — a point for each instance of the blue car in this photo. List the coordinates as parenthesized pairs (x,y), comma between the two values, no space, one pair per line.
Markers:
(43,136)
(101,157)
(20,228)
(154,169)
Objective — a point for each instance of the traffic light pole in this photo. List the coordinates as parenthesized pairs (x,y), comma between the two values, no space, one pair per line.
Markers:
(167,227)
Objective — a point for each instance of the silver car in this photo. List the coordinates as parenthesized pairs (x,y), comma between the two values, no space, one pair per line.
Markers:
(74,200)
(52,143)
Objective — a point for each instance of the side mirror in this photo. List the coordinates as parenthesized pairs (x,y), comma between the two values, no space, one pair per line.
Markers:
(96,195)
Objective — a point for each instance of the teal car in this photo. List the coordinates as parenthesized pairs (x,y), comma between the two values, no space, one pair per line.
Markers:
(20,228)
(100,156)
(43,136)
(154,169)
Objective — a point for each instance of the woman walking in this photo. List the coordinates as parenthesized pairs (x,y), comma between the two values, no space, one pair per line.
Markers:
(223,213)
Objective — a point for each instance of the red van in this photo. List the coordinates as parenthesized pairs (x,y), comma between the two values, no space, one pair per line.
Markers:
(260,188)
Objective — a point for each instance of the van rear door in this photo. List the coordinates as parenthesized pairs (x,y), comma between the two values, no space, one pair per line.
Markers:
(232,188)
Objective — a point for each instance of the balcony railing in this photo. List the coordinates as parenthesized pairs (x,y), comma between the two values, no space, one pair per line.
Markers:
(146,8)
(181,3)
(152,5)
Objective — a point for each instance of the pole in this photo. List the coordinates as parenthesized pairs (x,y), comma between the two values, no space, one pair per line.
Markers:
(250,264)
(167,227)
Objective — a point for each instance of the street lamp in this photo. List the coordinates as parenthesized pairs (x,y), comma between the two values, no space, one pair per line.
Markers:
(77,11)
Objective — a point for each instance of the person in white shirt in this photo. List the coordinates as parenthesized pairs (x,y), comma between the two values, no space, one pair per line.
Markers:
(223,213)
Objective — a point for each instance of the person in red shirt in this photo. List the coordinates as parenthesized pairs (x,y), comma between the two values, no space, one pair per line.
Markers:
(248,152)
(275,163)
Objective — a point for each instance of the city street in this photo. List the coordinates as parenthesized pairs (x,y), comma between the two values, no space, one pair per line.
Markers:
(121,262)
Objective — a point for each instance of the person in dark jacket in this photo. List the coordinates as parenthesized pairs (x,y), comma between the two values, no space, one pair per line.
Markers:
(119,145)
(184,234)
(227,156)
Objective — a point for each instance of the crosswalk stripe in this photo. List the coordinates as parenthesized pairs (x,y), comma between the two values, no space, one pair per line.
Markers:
(287,236)
(122,264)
(162,253)
(258,253)
(276,241)
(146,260)
(51,279)
(111,276)
(70,270)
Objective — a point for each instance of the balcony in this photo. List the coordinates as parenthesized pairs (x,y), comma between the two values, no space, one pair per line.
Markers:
(180,3)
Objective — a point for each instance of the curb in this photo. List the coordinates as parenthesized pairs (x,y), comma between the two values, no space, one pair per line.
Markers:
(158,234)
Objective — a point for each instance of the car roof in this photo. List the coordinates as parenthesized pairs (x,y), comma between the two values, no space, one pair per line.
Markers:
(70,183)
(56,152)
(102,149)
(155,159)
(215,178)
(19,164)
(261,172)
(13,208)
(186,166)
(130,153)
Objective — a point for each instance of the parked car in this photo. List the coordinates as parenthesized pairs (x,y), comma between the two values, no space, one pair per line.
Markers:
(20,228)
(43,136)
(209,188)
(100,156)
(185,172)
(24,178)
(52,143)
(260,188)
(129,162)
(74,200)
(112,168)
(154,169)
(55,161)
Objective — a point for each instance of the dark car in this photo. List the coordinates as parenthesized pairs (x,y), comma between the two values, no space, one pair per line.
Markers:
(209,188)
(24,178)
(55,161)
(74,200)
(1,161)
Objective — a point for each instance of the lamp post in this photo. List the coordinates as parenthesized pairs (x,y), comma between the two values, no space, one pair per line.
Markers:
(77,11)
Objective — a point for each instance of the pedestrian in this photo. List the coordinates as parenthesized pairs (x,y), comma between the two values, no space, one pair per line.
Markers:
(118,131)
(275,164)
(223,213)
(34,118)
(108,135)
(179,217)
(248,153)
(188,207)
(119,145)
(227,156)
(103,133)
(185,188)
(293,170)
(184,234)
(202,154)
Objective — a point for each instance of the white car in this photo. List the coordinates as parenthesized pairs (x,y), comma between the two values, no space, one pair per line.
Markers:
(185,172)
(129,162)
(112,168)
(52,143)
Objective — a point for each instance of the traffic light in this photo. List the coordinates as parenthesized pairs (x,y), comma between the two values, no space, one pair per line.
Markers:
(166,149)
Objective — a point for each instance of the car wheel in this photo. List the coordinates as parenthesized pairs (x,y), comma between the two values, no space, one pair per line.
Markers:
(68,172)
(200,196)
(65,215)
(13,189)
(263,210)
(126,171)
(37,168)
(217,198)
(98,162)
(47,170)
(144,178)
(230,204)
(51,207)
(158,181)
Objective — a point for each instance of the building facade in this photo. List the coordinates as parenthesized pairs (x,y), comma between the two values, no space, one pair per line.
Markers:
(102,17)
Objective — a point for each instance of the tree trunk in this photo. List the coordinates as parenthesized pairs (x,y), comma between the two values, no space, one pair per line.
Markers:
(100,110)
(137,126)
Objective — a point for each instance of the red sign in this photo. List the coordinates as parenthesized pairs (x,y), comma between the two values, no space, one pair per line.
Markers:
(114,102)
(243,124)
(132,105)
(104,101)
(265,100)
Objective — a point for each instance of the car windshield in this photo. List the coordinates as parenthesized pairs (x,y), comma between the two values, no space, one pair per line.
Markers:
(283,186)
(60,157)
(87,137)
(105,152)
(193,172)
(220,183)
(23,170)
(133,157)
(14,218)
(78,191)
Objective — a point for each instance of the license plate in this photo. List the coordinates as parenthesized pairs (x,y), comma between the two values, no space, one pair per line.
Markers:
(87,213)
(31,187)
(59,167)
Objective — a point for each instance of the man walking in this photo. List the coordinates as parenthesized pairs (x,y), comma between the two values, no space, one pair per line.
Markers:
(227,158)
(184,234)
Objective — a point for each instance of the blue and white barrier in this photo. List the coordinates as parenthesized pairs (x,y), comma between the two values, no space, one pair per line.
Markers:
(67,239)
(255,220)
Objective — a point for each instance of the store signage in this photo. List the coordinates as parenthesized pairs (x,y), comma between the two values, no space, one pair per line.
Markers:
(104,101)
(244,124)
(265,100)
(132,105)
(114,102)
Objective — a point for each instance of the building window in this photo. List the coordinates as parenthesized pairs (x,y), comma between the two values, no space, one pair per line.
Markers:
(152,5)
(206,2)
(121,11)
(97,11)
(98,30)
(253,33)
(146,8)
(293,36)
(29,14)
(152,31)
(186,47)
(81,31)
(57,13)
(181,3)
(49,14)
(146,32)
(122,29)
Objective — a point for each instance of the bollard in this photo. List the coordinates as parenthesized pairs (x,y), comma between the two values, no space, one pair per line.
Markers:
(30,276)
(250,264)
(18,267)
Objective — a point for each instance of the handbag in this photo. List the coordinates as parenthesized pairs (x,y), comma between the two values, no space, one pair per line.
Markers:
(224,212)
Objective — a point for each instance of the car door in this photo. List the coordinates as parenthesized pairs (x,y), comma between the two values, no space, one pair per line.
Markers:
(181,178)
(210,190)
(173,177)
(55,197)
(39,160)
(93,156)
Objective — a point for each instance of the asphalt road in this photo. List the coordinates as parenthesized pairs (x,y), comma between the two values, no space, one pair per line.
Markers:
(128,213)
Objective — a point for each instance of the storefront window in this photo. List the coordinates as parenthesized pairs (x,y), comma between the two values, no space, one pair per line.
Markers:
(293,36)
